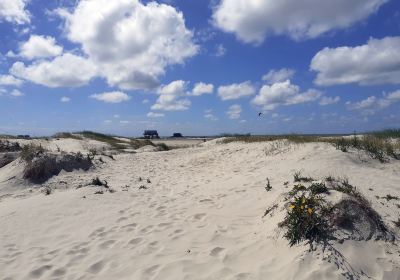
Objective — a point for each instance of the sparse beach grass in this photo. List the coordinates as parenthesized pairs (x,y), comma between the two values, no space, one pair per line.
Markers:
(380,145)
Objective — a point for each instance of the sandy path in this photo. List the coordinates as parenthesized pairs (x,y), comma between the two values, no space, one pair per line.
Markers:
(199,218)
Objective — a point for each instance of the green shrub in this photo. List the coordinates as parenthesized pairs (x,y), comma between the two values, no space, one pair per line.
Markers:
(29,152)
(317,188)
(304,221)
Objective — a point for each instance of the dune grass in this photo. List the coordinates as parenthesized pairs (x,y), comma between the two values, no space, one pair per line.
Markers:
(380,145)
(387,133)
(111,140)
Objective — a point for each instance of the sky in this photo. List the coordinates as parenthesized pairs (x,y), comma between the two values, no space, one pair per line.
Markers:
(199,67)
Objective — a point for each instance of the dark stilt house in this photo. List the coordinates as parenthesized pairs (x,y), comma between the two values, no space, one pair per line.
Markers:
(151,134)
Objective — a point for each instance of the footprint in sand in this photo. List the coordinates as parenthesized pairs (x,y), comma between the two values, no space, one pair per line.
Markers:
(37,273)
(96,267)
(129,227)
(106,244)
(135,241)
(199,216)
(59,272)
(122,219)
(216,251)
(146,229)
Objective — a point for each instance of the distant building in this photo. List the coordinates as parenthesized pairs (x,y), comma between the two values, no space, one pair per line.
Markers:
(177,135)
(24,136)
(151,134)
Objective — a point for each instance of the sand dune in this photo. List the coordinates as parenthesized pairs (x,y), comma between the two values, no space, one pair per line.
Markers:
(199,216)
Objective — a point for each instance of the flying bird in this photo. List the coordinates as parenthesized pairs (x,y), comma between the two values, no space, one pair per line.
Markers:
(259,114)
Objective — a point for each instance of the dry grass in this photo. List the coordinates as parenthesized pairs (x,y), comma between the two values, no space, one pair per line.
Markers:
(42,165)
(379,145)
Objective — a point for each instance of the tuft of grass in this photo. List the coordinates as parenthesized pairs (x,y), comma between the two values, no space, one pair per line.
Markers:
(268,187)
(67,135)
(397,223)
(97,182)
(270,209)
(163,147)
(138,143)
(317,188)
(7,146)
(299,178)
(386,133)
(42,165)
(389,197)
(378,145)
(114,143)
(29,152)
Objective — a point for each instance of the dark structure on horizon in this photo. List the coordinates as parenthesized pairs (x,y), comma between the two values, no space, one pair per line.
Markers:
(151,134)
(177,135)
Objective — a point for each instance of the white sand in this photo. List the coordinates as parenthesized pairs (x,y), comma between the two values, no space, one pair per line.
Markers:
(199,218)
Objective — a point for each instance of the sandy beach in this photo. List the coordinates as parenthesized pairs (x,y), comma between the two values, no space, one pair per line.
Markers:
(193,213)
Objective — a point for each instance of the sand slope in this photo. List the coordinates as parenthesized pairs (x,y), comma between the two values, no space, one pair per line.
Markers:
(200,217)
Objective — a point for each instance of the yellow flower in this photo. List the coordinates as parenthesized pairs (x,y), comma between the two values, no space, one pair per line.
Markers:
(303,200)
(292,206)
(309,210)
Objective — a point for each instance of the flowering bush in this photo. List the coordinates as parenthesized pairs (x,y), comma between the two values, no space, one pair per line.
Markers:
(305,220)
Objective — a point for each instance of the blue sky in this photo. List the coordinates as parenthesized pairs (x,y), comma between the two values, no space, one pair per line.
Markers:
(199,67)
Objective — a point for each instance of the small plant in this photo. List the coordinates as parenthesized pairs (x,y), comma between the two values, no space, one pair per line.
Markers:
(304,220)
(318,188)
(330,179)
(397,223)
(97,182)
(270,209)
(148,181)
(299,178)
(163,147)
(389,197)
(29,152)
(343,186)
(47,190)
(142,187)
(342,144)
(268,187)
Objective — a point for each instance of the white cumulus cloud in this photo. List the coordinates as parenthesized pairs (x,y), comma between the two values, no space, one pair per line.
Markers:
(277,76)
(111,97)
(253,20)
(234,112)
(8,80)
(283,94)
(40,47)
(202,88)
(377,62)
(172,97)
(155,115)
(325,100)
(16,93)
(67,70)
(236,91)
(65,99)
(130,43)
(14,11)
(372,104)
(208,114)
